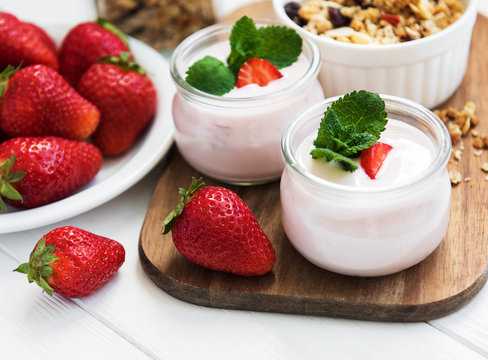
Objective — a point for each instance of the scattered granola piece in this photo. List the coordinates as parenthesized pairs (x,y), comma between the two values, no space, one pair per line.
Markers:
(457,154)
(481,142)
(484,167)
(455,177)
(460,122)
(467,179)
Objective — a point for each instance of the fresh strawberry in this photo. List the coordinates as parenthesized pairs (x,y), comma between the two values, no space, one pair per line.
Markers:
(37,101)
(73,262)
(43,36)
(35,171)
(214,228)
(20,43)
(85,44)
(257,71)
(126,98)
(373,157)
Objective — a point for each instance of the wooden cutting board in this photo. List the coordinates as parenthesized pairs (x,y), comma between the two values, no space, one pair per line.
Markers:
(439,285)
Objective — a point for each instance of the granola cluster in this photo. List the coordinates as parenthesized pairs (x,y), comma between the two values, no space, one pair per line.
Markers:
(460,123)
(374,21)
(163,24)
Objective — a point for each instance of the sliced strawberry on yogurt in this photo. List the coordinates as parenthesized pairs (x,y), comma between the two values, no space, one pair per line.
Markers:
(257,71)
(373,157)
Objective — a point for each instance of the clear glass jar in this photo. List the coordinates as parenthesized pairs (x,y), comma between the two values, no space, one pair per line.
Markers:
(237,139)
(366,231)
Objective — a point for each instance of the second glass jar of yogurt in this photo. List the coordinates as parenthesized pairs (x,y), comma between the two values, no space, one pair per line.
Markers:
(235,138)
(351,224)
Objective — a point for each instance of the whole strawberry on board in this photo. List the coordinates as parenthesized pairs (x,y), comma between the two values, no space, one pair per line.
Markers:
(214,228)
(85,44)
(73,262)
(37,101)
(126,98)
(35,171)
(24,43)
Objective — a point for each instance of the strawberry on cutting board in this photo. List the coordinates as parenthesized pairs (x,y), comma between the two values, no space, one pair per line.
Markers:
(373,157)
(85,44)
(37,101)
(214,228)
(126,98)
(257,71)
(35,171)
(73,262)
(24,43)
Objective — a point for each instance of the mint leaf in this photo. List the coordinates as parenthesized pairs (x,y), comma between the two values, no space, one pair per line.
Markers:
(351,124)
(281,46)
(363,109)
(211,76)
(329,155)
(244,43)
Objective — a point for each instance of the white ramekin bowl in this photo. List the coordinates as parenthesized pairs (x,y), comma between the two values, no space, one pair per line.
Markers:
(428,70)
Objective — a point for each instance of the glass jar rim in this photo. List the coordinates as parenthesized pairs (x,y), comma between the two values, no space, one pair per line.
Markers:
(435,124)
(210,99)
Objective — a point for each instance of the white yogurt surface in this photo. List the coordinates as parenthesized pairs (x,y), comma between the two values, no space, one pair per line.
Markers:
(412,153)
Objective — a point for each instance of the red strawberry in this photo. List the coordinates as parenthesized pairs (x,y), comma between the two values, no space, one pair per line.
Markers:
(372,158)
(53,168)
(257,71)
(85,44)
(20,43)
(126,98)
(73,262)
(37,101)
(43,36)
(214,228)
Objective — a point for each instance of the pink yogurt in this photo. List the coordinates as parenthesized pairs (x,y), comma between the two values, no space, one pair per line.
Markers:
(235,138)
(350,224)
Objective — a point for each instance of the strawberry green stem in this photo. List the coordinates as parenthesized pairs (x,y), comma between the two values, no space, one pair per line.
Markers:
(38,269)
(113,29)
(5,75)
(123,61)
(186,196)
(6,178)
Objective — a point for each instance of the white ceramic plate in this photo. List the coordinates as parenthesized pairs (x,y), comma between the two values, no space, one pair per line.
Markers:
(116,174)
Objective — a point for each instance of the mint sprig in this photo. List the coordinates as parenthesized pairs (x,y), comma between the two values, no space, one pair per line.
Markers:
(211,76)
(351,124)
(278,44)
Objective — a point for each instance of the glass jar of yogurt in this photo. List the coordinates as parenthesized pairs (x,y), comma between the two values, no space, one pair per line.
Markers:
(236,137)
(351,224)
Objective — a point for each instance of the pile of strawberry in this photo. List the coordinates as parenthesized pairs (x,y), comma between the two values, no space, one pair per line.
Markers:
(62,111)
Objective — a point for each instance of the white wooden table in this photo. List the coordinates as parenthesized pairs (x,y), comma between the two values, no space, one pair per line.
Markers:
(130,318)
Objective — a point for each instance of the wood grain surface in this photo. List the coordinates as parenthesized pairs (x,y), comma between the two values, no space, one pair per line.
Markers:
(439,285)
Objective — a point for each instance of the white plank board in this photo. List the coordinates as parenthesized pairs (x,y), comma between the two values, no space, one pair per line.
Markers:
(36,325)
(469,325)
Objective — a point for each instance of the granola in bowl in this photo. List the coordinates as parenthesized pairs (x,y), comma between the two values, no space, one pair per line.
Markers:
(374,21)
